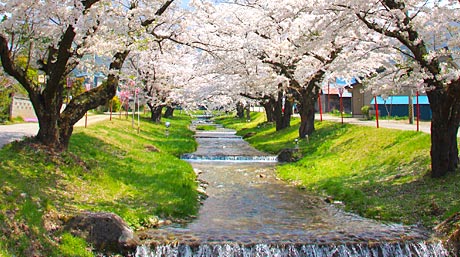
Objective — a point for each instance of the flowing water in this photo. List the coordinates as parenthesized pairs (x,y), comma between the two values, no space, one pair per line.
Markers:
(249,212)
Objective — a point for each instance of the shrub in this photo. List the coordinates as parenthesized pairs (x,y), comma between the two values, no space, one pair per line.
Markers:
(365,111)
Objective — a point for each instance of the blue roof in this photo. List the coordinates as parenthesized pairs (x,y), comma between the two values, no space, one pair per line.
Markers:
(401,99)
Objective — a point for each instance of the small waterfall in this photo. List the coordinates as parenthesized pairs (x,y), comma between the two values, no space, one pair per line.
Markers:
(393,249)
(201,117)
(227,158)
(211,135)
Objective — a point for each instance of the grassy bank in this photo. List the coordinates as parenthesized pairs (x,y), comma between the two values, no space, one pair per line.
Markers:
(109,167)
(377,173)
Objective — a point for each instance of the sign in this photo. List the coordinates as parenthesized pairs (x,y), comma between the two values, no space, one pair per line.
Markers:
(41,78)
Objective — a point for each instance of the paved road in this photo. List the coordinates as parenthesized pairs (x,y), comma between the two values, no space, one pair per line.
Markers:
(424,126)
(9,133)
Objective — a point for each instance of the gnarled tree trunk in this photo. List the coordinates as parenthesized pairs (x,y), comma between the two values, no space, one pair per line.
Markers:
(247,109)
(445,107)
(283,112)
(56,127)
(169,112)
(306,97)
(306,107)
(269,107)
(155,111)
(240,110)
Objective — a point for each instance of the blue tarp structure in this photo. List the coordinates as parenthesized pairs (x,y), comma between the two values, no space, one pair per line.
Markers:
(401,99)
(399,106)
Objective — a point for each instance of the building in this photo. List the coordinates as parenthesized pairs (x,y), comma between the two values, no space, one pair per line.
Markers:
(330,97)
(360,98)
(398,106)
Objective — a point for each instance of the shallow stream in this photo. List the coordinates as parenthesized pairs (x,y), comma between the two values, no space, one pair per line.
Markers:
(249,212)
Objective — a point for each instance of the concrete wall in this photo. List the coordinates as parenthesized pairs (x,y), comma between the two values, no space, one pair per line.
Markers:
(22,107)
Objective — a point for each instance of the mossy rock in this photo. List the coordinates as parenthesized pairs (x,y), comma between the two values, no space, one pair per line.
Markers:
(107,232)
(289,155)
(250,134)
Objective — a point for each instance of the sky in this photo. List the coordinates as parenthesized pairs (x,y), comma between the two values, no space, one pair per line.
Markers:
(184,3)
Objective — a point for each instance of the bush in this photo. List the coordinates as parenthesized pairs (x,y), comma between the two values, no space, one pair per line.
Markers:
(365,110)
(5,102)
(115,102)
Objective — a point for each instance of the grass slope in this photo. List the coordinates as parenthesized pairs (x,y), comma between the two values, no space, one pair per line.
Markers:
(109,167)
(377,173)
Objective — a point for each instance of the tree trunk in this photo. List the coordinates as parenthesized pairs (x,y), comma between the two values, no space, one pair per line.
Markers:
(306,108)
(155,112)
(269,107)
(283,112)
(240,110)
(55,128)
(248,112)
(444,128)
(48,120)
(453,151)
(169,112)
(287,114)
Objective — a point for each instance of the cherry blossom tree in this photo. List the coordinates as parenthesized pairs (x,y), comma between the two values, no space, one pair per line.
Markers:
(284,52)
(222,31)
(54,36)
(163,75)
(425,38)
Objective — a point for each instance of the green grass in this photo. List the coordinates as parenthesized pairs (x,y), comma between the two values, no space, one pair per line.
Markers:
(109,167)
(73,246)
(377,173)
(266,138)
(205,127)
(337,114)
(231,121)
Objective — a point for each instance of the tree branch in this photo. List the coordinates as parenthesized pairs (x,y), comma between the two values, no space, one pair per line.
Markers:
(159,12)
(88,3)
(10,68)
(253,97)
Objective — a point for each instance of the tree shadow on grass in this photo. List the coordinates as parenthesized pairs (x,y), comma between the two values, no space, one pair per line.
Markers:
(396,194)
(160,182)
